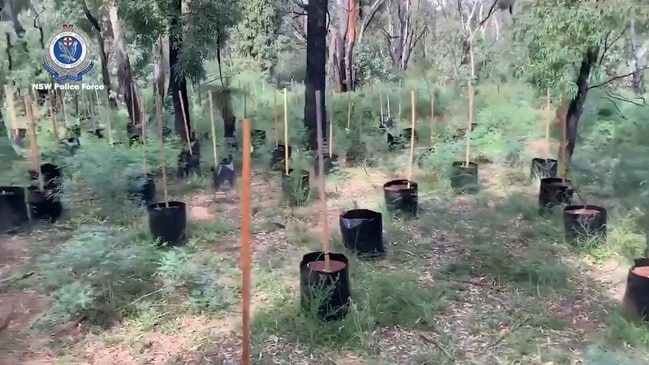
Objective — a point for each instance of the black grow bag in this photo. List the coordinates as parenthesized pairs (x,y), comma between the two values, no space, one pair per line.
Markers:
(543,168)
(585,223)
(399,198)
(326,294)
(44,205)
(13,208)
(168,224)
(362,232)
(636,296)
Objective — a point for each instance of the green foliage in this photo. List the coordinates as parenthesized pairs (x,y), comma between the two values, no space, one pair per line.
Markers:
(94,275)
(255,35)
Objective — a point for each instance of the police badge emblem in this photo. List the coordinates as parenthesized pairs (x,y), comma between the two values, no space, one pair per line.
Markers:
(67,55)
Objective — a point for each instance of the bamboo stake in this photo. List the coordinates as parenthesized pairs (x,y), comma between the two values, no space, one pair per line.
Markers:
(161,152)
(564,143)
(468,129)
(381,104)
(245,243)
(245,101)
(331,125)
(11,104)
(321,182)
(286,131)
(349,111)
(412,136)
(547,124)
(276,117)
(33,142)
(399,105)
(55,131)
(182,109)
(65,114)
(387,101)
(213,128)
(432,116)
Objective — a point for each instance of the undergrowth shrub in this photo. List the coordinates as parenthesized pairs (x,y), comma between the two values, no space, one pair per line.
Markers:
(95,275)
(105,175)
(202,279)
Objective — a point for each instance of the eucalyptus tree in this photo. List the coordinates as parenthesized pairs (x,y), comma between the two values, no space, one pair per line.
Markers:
(567,42)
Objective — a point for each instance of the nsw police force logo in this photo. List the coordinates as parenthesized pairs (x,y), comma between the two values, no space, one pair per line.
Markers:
(67,56)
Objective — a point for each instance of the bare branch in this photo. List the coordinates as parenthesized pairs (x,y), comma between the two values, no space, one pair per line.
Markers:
(615,78)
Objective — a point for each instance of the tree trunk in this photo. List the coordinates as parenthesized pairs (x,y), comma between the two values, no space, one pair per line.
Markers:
(316,53)
(159,70)
(10,13)
(124,75)
(637,54)
(576,106)
(177,82)
(105,75)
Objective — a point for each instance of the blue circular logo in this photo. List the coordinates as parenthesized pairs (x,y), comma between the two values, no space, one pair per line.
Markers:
(68,49)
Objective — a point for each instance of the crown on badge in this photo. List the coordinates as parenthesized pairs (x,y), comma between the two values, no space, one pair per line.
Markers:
(68,26)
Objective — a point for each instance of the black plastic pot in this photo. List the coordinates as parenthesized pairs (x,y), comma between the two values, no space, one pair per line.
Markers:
(277,157)
(143,189)
(168,224)
(13,209)
(385,123)
(326,294)
(70,145)
(44,205)
(97,133)
(362,232)
(399,198)
(553,192)
(51,176)
(543,168)
(258,138)
(464,178)
(402,140)
(421,160)
(330,163)
(74,131)
(585,223)
(188,163)
(223,172)
(636,296)
(295,187)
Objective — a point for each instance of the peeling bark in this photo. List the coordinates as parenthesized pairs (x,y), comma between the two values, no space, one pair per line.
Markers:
(124,74)
(96,30)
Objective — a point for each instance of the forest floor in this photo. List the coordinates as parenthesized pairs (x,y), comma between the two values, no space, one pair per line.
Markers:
(474,280)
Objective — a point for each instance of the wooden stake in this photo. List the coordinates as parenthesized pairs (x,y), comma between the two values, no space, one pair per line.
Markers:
(381,104)
(331,124)
(286,131)
(547,123)
(321,182)
(564,142)
(55,131)
(161,152)
(11,104)
(33,142)
(213,128)
(255,102)
(276,117)
(65,114)
(245,243)
(399,105)
(432,115)
(182,109)
(468,128)
(412,135)
(144,160)
(372,86)
(245,101)
(349,111)
(387,101)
